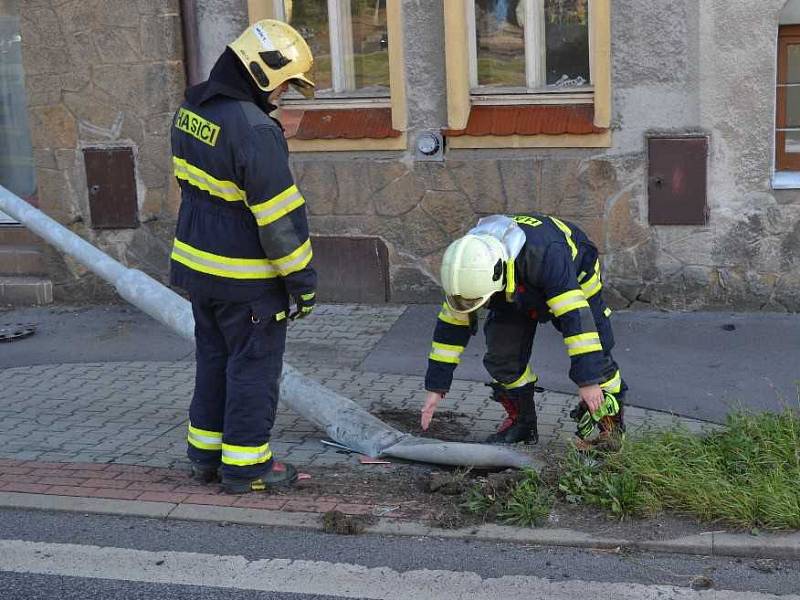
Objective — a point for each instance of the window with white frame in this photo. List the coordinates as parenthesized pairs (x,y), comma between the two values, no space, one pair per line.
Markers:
(349,41)
(528,46)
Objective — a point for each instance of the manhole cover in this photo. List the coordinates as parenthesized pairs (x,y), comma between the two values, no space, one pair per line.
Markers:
(17,331)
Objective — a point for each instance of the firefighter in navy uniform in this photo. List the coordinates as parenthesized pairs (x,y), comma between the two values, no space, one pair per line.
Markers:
(528,269)
(242,251)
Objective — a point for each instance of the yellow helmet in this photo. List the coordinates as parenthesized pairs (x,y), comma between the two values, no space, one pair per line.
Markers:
(273,52)
(472,271)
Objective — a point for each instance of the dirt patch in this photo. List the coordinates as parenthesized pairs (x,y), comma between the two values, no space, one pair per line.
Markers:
(452,517)
(391,489)
(337,522)
(437,495)
(447,484)
(701,582)
(601,523)
(456,489)
(376,484)
(501,484)
(450,493)
(448,425)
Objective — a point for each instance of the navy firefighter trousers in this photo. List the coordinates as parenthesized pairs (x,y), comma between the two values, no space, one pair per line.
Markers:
(239,354)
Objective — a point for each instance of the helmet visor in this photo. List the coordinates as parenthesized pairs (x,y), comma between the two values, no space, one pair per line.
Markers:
(465,305)
(303,85)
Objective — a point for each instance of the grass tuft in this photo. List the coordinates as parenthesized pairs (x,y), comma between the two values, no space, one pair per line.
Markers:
(520,499)
(747,474)
(528,504)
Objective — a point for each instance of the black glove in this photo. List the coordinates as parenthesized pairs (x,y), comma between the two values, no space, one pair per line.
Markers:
(305,304)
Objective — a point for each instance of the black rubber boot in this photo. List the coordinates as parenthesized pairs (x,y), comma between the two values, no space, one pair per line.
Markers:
(204,473)
(520,425)
(281,475)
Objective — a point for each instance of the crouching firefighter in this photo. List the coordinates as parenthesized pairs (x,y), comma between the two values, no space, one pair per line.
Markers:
(528,269)
(241,251)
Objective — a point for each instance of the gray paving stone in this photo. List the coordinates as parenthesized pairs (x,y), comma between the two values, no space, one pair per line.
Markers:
(26,455)
(136,412)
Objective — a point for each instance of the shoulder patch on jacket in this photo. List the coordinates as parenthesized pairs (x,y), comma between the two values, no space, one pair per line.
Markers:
(255,116)
(196,126)
(527,220)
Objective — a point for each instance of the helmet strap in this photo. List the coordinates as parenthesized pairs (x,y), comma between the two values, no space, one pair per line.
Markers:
(511,280)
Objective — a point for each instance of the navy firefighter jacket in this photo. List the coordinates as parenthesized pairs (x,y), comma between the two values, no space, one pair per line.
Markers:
(553,278)
(242,232)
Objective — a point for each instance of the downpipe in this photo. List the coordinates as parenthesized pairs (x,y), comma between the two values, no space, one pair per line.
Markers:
(342,419)
(191,52)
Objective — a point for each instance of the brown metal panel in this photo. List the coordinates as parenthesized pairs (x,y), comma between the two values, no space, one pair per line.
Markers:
(480,121)
(351,269)
(504,120)
(528,120)
(676,183)
(111,182)
(351,123)
(581,120)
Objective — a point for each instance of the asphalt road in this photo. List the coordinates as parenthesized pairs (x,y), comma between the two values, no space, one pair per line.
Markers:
(699,365)
(89,334)
(65,555)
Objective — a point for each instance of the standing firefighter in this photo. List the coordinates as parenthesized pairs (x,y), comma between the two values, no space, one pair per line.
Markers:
(241,251)
(528,269)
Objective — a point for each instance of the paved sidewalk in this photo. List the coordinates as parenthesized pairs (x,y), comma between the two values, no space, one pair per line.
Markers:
(135,412)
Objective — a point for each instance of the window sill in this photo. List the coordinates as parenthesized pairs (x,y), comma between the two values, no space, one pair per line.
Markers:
(349,102)
(345,145)
(561,98)
(786,180)
(591,140)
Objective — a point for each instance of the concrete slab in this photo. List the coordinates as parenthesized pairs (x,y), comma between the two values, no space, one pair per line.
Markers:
(691,544)
(132,508)
(245,516)
(699,365)
(731,544)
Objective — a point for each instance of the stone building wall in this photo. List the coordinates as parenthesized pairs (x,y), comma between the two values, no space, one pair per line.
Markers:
(103,73)
(679,67)
(110,72)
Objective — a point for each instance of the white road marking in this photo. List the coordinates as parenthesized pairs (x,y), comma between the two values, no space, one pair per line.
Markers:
(323,578)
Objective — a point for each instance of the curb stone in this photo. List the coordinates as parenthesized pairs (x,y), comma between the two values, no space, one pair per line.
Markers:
(781,547)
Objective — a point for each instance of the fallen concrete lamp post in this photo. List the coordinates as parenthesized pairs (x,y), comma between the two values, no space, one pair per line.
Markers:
(342,419)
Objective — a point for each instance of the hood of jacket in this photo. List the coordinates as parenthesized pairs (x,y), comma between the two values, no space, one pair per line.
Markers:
(229,78)
(504,229)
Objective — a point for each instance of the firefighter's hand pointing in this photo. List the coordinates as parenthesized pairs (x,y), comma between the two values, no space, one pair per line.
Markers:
(431,400)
